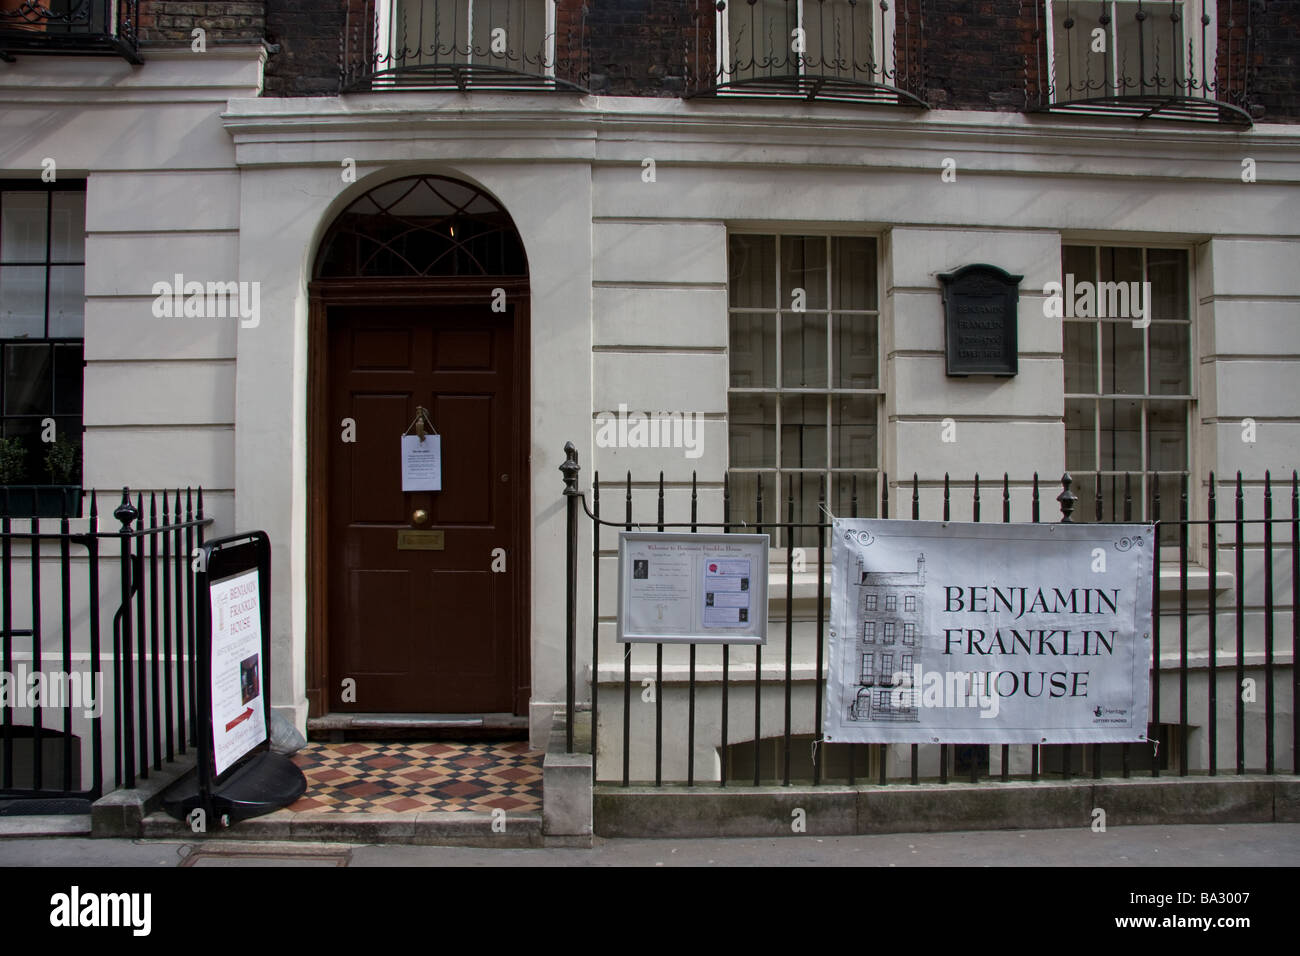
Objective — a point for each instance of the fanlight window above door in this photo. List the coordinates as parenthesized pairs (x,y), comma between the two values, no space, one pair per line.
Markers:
(422,226)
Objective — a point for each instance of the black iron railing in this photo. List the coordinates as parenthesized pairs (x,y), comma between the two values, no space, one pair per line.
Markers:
(858,51)
(1144,59)
(1277,553)
(465,45)
(82,27)
(57,588)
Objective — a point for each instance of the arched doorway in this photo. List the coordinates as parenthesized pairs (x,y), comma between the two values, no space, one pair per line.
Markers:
(417,600)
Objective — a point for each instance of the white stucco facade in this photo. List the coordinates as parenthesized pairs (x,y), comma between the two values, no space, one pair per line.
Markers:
(190,171)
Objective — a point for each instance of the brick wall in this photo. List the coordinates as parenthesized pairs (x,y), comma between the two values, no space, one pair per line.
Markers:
(1275,59)
(307,33)
(172,22)
(976,53)
(960,54)
(639,47)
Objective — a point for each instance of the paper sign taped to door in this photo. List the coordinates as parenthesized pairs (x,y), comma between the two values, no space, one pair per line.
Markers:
(422,463)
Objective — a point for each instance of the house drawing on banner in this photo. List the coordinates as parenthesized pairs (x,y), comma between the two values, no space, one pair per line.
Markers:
(889,611)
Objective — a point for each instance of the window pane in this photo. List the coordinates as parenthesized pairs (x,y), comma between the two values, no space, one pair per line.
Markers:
(853,279)
(1085,488)
(1170,352)
(1167,436)
(1081,357)
(67,301)
(1121,435)
(753,350)
(806,490)
(1155,44)
(803,431)
(854,351)
(430,31)
(803,266)
(22,302)
(1080,262)
(28,380)
(803,350)
(839,36)
(68,227)
(753,272)
(759,38)
(744,504)
(1121,264)
(524,23)
(28,432)
(1122,358)
(863,489)
(751,428)
(68,368)
(1167,272)
(854,431)
(22,226)
(1080,435)
(1079,73)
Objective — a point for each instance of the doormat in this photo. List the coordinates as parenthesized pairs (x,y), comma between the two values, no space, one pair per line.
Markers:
(396,777)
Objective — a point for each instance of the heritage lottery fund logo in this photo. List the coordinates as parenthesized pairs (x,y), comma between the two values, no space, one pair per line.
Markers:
(75,909)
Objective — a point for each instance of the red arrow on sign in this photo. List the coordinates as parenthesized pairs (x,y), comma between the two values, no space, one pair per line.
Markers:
(239,720)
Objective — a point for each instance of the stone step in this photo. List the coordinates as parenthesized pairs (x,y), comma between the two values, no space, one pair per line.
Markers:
(425,828)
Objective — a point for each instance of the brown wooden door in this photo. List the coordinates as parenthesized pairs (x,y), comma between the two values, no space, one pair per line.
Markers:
(422,631)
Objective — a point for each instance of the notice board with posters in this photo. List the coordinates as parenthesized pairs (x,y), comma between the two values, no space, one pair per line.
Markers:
(692,588)
(950,632)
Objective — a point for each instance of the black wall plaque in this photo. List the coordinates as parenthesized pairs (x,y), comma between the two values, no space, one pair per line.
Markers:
(980,304)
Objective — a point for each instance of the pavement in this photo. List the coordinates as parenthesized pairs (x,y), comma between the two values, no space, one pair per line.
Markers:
(1187,845)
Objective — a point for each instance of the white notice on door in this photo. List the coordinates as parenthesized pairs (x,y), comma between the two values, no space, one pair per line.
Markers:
(422,463)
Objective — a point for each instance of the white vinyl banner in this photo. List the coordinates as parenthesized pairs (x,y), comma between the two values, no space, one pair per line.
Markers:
(949,632)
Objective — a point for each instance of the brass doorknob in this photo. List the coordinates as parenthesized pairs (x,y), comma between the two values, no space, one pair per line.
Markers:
(419,516)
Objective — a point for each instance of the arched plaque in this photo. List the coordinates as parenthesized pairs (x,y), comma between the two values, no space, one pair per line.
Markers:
(980,305)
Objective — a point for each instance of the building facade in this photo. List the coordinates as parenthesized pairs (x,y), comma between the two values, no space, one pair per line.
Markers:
(245,241)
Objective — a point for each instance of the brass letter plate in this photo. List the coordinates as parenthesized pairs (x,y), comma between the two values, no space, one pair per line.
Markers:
(408,540)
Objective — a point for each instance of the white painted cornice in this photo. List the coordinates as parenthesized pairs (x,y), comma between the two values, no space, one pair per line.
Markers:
(620,130)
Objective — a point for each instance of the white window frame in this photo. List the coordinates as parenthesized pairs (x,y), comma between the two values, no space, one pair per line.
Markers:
(1200,68)
(778,233)
(884,38)
(1141,493)
(386,40)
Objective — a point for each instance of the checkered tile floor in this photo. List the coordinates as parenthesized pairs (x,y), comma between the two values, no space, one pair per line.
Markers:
(398,777)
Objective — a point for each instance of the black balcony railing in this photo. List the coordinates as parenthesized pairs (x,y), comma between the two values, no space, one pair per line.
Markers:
(465,45)
(857,51)
(1187,60)
(82,27)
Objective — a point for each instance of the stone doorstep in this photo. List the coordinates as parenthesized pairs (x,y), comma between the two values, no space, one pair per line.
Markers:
(425,828)
(682,812)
